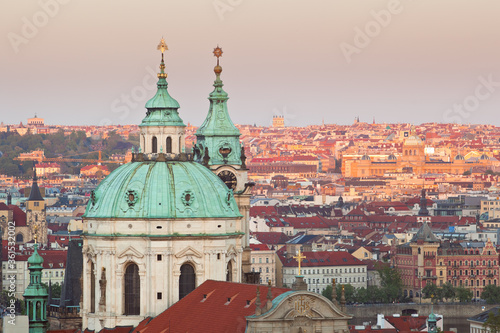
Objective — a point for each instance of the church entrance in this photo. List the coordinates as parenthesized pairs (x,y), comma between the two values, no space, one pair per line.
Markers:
(187,280)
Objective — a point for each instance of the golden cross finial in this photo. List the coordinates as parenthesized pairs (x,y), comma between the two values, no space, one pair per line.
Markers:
(299,259)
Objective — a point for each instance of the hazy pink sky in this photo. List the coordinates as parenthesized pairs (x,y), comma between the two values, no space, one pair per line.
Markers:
(90,62)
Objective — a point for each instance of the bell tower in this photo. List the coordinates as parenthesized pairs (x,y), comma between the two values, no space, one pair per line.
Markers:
(35,212)
(35,295)
(218,147)
(162,130)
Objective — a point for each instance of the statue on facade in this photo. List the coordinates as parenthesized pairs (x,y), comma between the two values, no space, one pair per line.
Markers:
(243,158)
(102,285)
(206,158)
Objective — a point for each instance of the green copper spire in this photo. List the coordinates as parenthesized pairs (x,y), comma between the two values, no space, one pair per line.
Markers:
(162,108)
(35,295)
(218,121)
(218,133)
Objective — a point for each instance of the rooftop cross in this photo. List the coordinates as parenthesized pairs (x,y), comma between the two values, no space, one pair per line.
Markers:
(299,257)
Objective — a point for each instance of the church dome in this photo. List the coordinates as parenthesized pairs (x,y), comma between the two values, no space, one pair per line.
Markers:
(459,157)
(414,140)
(35,259)
(365,157)
(172,189)
(484,157)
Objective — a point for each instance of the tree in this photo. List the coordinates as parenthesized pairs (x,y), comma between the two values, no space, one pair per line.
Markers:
(493,322)
(56,289)
(448,291)
(362,295)
(328,292)
(491,294)
(431,291)
(391,282)
(463,295)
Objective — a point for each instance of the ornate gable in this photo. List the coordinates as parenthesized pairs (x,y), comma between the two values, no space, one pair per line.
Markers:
(188,252)
(303,311)
(130,252)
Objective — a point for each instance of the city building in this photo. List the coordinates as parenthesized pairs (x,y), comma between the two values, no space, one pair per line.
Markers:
(321,269)
(425,259)
(413,159)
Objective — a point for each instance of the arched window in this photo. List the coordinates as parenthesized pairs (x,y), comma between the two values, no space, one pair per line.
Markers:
(180,144)
(132,290)
(19,238)
(154,145)
(229,272)
(92,288)
(187,280)
(169,145)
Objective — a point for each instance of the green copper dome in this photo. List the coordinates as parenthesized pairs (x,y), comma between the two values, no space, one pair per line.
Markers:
(162,108)
(35,259)
(171,189)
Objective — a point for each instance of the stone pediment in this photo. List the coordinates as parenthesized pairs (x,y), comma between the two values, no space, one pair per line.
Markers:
(231,251)
(303,310)
(188,252)
(130,252)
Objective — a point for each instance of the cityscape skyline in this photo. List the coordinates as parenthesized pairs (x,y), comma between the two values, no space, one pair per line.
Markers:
(337,60)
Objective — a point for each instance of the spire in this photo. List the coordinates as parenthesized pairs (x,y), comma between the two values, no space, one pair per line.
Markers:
(218,120)
(258,310)
(334,293)
(218,132)
(269,303)
(423,205)
(35,295)
(162,101)
(35,194)
(342,299)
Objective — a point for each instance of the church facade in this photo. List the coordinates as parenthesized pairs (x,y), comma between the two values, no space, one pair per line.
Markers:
(159,226)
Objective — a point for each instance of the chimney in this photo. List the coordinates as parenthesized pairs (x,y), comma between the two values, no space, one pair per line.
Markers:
(9,199)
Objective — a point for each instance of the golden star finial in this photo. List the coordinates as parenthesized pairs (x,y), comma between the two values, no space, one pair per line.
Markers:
(218,52)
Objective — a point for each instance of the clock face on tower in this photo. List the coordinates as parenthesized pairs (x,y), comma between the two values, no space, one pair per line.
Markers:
(228,178)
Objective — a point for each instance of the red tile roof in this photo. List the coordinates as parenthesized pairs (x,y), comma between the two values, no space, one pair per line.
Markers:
(218,306)
(262,211)
(313,222)
(19,215)
(324,258)
(259,247)
(271,238)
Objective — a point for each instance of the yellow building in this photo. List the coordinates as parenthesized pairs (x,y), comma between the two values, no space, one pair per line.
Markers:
(412,159)
(278,121)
